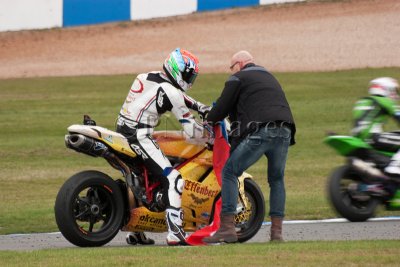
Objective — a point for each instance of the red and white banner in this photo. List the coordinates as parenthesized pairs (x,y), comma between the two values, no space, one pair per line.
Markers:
(220,155)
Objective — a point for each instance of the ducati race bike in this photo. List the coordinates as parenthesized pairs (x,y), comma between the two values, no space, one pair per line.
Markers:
(92,207)
(358,188)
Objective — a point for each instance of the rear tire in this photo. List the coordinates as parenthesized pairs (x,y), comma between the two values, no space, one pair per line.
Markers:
(89,209)
(344,203)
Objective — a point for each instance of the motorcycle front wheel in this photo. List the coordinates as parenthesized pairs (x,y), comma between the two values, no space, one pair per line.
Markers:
(352,206)
(249,221)
(89,209)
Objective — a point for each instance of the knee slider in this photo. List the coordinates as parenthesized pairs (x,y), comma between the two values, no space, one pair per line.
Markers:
(176,180)
(179,184)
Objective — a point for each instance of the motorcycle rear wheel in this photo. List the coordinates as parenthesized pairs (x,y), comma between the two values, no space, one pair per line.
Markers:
(89,209)
(354,210)
(249,222)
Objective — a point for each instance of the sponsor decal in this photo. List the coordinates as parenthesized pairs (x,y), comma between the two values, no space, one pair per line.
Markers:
(109,139)
(140,88)
(198,200)
(154,142)
(139,151)
(130,98)
(152,220)
(160,99)
(99,146)
(200,189)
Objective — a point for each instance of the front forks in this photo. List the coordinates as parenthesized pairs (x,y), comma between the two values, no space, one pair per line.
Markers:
(242,215)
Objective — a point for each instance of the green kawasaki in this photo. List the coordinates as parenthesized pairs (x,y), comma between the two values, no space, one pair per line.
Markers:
(359,187)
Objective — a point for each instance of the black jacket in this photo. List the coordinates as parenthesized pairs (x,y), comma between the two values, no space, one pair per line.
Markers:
(251,97)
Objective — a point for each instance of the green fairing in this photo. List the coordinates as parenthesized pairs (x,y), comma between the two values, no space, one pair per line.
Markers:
(394,203)
(345,145)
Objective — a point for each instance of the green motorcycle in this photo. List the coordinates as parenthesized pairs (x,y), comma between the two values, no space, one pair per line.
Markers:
(359,187)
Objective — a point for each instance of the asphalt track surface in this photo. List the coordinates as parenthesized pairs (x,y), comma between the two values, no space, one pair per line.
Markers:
(315,36)
(321,230)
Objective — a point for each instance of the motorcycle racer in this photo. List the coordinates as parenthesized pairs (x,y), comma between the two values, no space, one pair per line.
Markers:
(370,113)
(151,95)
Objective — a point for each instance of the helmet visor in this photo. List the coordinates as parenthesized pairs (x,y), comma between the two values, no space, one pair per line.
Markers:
(189,76)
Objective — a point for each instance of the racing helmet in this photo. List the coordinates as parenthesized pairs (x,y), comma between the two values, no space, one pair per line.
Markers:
(384,86)
(182,68)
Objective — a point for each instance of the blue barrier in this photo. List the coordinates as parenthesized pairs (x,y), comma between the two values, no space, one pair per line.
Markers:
(206,5)
(81,12)
(67,13)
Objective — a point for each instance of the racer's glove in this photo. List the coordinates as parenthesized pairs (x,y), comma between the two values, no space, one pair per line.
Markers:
(203,112)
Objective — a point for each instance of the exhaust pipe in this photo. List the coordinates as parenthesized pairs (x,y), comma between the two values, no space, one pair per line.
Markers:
(86,145)
(368,170)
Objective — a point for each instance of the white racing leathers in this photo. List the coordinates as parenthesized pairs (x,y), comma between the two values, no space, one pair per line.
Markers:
(150,96)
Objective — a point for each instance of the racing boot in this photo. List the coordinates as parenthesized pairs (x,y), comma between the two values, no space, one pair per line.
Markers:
(176,235)
(276,229)
(226,232)
(135,238)
(393,169)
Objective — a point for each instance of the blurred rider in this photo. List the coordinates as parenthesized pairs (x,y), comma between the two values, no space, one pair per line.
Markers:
(371,112)
(151,95)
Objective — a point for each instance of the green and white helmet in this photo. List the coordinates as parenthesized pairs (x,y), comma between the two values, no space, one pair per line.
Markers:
(181,68)
(384,86)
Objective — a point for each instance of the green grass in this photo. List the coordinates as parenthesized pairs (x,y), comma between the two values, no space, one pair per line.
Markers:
(342,253)
(34,115)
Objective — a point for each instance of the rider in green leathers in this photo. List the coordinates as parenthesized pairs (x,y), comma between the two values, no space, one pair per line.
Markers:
(370,113)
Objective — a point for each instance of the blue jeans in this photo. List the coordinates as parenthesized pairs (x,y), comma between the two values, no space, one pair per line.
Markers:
(273,142)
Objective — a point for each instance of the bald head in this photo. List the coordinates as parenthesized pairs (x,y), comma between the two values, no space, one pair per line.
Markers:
(240,59)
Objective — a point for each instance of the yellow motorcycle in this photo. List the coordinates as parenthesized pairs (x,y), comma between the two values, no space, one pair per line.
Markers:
(91,207)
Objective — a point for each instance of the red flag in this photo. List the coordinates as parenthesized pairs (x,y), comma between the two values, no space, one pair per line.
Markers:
(220,155)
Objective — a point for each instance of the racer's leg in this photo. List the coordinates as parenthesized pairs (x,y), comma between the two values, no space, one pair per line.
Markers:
(390,141)
(159,165)
(133,238)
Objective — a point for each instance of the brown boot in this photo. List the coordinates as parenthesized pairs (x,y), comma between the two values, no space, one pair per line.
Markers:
(276,228)
(226,232)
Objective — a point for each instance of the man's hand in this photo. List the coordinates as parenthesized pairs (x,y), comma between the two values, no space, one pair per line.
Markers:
(208,129)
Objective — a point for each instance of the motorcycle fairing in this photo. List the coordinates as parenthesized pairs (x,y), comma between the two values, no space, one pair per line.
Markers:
(348,145)
(199,195)
(201,189)
(113,139)
(176,144)
(172,143)
(344,145)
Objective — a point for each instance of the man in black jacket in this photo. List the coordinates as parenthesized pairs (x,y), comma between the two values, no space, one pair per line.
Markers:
(261,124)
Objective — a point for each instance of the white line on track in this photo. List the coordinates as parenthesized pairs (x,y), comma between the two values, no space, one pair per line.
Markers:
(335,220)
